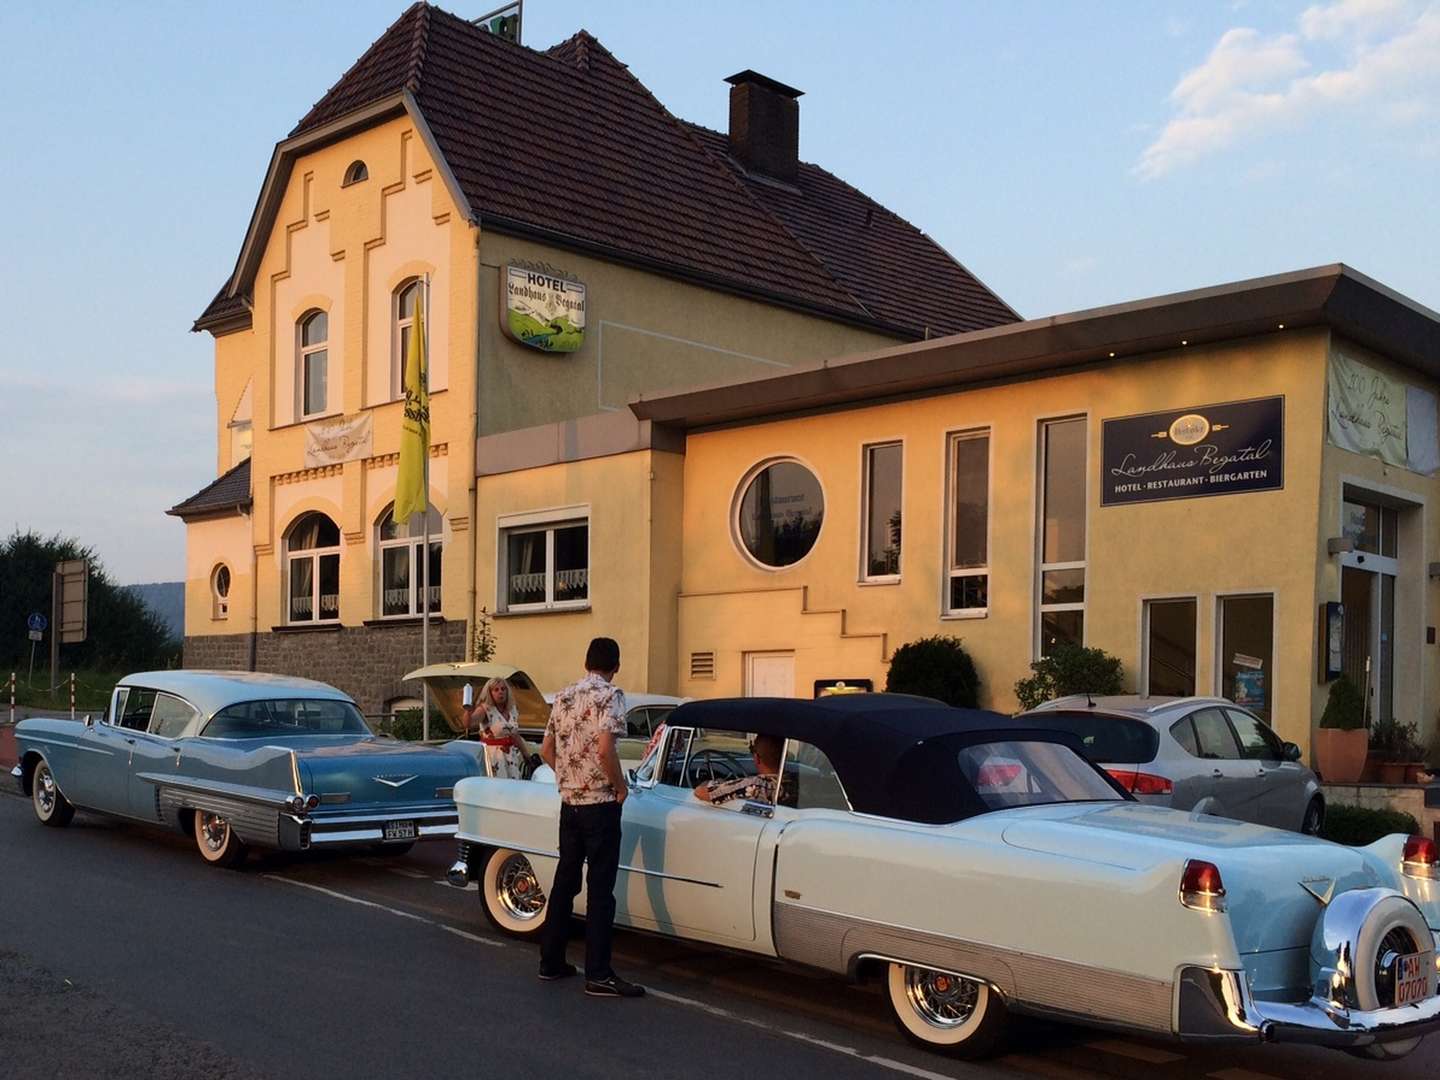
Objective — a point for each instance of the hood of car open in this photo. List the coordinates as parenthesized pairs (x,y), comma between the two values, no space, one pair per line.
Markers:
(1276,882)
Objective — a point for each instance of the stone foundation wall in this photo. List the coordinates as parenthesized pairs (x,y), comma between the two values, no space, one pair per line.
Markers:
(1420,802)
(367,662)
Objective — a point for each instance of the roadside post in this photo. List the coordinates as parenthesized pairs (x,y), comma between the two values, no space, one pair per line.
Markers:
(72,695)
(35,626)
(12,698)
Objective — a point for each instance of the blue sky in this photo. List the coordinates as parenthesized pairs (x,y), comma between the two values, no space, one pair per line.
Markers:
(1069,154)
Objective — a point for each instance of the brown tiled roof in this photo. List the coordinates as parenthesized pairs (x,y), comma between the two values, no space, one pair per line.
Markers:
(229,491)
(599,165)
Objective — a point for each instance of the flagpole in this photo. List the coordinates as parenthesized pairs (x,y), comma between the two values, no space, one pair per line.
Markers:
(425,557)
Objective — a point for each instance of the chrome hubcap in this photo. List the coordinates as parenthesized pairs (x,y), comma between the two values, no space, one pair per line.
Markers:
(214,831)
(939,998)
(517,890)
(45,791)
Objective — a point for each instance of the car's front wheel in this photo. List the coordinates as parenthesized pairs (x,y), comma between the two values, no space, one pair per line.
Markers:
(511,894)
(51,806)
(1314,818)
(218,844)
(946,1012)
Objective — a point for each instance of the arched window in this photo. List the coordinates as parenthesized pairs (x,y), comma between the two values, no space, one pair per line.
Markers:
(355,173)
(403,319)
(312,570)
(220,592)
(312,362)
(401,549)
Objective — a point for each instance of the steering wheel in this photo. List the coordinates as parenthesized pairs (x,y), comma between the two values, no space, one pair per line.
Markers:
(707,765)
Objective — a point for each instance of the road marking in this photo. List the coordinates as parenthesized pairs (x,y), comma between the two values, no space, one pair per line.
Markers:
(1153,1055)
(467,935)
(473,886)
(800,1036)
(404,872)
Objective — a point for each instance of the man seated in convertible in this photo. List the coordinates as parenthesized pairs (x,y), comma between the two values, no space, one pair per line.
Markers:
(760,787)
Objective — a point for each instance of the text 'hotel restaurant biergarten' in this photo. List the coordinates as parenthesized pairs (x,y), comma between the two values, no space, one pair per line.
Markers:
(692,392)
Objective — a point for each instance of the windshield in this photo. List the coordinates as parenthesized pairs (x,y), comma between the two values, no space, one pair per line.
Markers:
(1109,740)
(1006,774)
(286,716)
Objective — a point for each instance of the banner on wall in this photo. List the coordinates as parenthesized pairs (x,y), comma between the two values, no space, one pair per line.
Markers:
(1368,413)
(332,441)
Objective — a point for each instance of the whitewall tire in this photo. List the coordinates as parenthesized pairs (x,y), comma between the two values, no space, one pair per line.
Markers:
(945,1012)
(511,894)
(218,844)
(51,806)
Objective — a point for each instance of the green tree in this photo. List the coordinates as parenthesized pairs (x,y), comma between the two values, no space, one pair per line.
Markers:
(1344,707)
(1070,669)
(123,634)
(935,667)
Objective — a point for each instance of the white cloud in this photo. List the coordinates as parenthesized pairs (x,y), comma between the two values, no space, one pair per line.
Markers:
(1382,55)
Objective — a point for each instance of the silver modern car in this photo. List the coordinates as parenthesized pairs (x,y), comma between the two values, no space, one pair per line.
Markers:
(1206,755)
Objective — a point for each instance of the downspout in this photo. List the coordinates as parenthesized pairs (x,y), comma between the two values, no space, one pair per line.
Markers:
(472,623)
(254,596)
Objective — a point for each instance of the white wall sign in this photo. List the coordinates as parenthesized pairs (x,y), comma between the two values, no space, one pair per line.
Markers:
(332,441)
(543,308)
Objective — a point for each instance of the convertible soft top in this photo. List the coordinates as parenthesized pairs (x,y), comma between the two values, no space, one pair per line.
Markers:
(866,736)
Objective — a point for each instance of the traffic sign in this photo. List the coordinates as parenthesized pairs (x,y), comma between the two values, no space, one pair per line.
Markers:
(37,622)
(37,635)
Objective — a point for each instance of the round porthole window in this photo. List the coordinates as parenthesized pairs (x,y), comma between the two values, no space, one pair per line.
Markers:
(779,513)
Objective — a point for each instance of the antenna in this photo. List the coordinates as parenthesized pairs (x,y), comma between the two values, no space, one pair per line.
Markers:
(503,22)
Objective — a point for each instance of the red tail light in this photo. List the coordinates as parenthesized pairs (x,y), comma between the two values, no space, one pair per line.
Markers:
(997,775)
(1420,857)
(1142,783)
(1201,886)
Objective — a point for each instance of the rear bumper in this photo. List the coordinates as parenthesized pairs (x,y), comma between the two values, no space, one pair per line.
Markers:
(1217,1006)
(340,830)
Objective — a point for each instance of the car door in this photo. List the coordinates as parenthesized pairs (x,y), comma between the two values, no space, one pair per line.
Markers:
(685,865)
(156,751)
(1232,784)
(1282,796)
(107,779)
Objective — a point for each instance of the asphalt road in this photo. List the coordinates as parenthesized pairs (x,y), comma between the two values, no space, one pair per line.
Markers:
(122,955)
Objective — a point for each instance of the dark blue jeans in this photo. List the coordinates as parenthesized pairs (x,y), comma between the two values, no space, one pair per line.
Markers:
(588,835)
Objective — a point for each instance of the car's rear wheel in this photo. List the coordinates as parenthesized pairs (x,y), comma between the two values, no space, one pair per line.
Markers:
(942,1011)
(1314,819)
(51,806)
(511,894)
(218,844)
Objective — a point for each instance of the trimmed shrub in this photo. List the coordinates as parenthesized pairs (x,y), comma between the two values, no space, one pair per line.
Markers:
(1357,826)
(935,667)
(1344,707)
(1070,669)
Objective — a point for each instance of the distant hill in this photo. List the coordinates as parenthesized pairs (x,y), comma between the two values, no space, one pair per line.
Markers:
(167,600)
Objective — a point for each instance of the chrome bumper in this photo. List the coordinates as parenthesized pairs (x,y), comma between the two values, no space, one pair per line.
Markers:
(336,830)
(1217,1006)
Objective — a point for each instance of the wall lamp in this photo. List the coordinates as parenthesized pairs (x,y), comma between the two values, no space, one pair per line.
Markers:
(1339,545)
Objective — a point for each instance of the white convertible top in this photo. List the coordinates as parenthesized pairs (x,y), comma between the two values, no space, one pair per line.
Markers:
(211,691)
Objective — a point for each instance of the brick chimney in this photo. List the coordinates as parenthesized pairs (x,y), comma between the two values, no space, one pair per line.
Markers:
(765,125)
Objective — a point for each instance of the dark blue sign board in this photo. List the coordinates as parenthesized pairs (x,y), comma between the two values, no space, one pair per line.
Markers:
(37,622)
(1190,453)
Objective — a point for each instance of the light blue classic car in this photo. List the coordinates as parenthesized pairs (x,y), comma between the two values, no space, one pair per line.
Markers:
(237,759)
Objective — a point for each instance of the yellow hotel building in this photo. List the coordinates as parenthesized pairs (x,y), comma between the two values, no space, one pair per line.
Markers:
(502,175)
(1229,489)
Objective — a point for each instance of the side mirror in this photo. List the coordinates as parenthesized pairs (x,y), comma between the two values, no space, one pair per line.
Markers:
(1291,752)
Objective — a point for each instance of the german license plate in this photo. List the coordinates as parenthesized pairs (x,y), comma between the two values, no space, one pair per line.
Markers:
(1412,978)
(399,830)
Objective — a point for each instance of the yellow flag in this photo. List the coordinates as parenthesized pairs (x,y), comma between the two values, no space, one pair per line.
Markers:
(410,493)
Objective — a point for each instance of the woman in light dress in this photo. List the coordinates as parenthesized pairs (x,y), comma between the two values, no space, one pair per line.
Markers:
(496,720)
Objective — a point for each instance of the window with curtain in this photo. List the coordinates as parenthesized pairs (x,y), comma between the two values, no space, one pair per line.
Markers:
(312,570)
(401,553)
(313,363)
(545,567)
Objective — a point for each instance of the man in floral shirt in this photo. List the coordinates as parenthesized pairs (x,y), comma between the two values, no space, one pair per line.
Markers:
(580,745)
(758,788)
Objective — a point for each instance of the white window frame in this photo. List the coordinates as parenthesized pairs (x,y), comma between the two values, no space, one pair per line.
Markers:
(1043,424)
(398,326)
(303,353)
(949,572)
(546,521)
(867,578)
(220,602)
(737,536)
(291,558)
(414,543)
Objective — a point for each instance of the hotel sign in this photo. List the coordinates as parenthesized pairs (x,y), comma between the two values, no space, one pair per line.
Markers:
(543,308)
(1190,453)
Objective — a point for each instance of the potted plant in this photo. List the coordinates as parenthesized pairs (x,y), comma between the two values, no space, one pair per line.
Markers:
(1341,742)
(1396,751)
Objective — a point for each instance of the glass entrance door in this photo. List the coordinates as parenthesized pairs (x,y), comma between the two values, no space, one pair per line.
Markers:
(1369,642)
